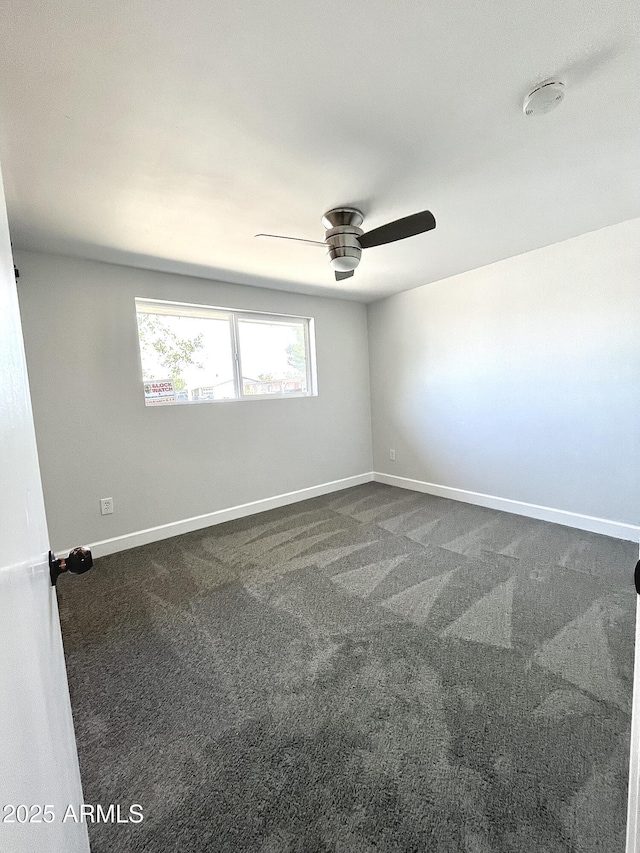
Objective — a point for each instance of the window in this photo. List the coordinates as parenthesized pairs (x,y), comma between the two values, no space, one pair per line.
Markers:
(193,353)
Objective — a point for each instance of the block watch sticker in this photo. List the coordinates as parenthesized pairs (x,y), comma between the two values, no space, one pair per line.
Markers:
(159,393)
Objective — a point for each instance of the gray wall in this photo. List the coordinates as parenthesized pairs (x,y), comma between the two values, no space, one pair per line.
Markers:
(97,439)
(519,380)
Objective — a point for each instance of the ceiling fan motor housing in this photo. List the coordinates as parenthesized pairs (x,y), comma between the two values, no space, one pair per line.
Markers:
(342,226)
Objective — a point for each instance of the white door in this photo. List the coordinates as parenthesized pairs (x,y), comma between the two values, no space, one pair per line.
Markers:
(38,759)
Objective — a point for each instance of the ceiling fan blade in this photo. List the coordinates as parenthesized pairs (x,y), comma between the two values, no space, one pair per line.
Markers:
(418,223)
(341,275)
(297,239)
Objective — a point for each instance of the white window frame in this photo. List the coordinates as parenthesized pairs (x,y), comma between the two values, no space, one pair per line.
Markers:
(144,305)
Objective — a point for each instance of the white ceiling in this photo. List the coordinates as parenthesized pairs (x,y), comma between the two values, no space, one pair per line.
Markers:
(166,133)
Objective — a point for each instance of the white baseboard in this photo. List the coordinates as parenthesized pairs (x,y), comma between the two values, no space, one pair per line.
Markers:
(186,525)
(616,529)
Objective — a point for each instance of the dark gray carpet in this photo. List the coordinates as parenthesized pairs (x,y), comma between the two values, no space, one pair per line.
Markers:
(373,670)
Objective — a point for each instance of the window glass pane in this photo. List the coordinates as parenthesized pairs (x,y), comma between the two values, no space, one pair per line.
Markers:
(273,356)
(185,359)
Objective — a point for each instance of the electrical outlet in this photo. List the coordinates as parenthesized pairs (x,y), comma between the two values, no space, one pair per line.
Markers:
(392,455)
(106,506)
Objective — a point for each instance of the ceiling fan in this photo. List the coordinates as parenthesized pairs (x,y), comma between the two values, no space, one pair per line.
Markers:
(344,238)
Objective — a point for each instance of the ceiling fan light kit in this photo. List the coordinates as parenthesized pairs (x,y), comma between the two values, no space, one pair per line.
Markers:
(343,247)
(344,238)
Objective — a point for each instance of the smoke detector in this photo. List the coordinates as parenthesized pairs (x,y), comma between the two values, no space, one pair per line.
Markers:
(544,98)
